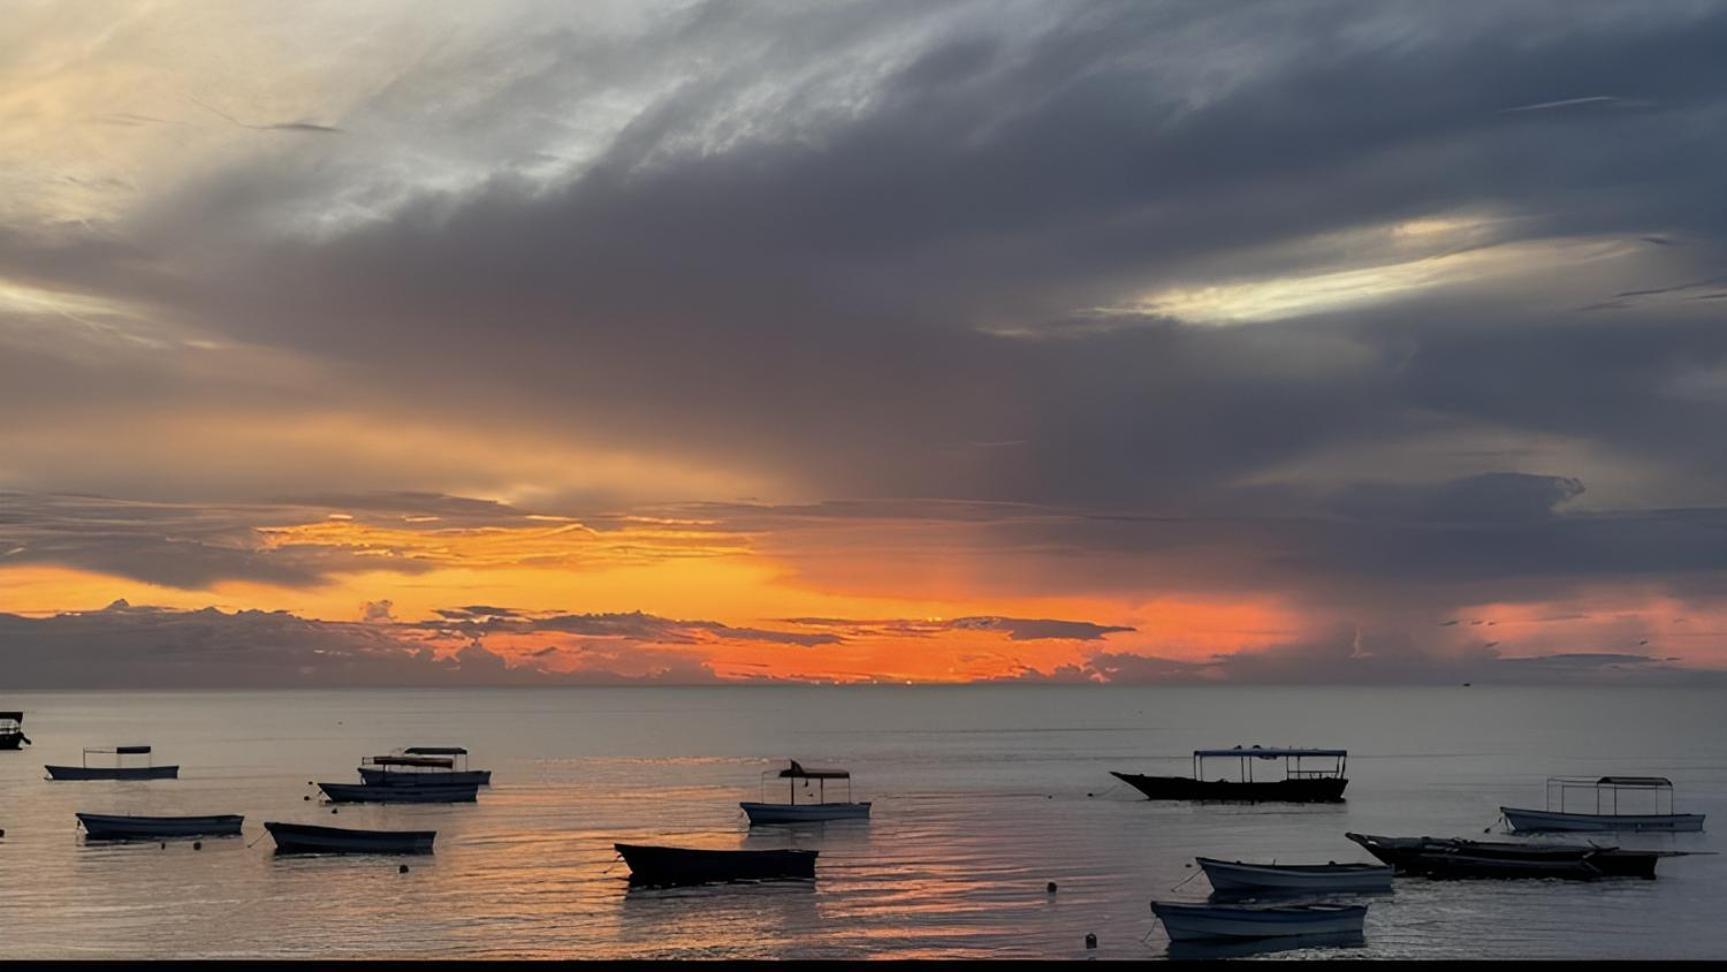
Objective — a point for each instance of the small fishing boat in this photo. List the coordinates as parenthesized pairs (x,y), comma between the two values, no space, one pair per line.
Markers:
(108,826)
(818,809)
(118,771)
(684,865)
(1211,949)
(1440,857)
(391,793)
(1300,783)
(422,765)
(1607,815)
(12,730)
(308,839)
(1198,922)
(1239,877)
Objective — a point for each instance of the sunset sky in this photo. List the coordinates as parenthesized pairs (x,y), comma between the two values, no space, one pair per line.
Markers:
(479,343)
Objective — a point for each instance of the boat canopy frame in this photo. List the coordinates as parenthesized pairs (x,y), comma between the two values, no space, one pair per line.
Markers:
(119,753)
(797,771)
(1247,755)
(421,757)
(1656,786)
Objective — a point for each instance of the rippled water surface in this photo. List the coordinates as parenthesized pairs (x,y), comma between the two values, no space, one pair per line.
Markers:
(982,795)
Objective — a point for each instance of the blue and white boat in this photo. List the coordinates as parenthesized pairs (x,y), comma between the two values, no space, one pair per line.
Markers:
(816,807)
(1242,878)
(1605,812)
(1202,922)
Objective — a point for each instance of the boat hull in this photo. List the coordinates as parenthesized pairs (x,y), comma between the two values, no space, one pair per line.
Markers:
(105,826)
(12,740)
(1309,790)
(1189,923)
(778,813)
(362,793)
(682,865)
(1441,858)
(113,772)
(1236,877)
(1552,821)
(378,777)
(308,839)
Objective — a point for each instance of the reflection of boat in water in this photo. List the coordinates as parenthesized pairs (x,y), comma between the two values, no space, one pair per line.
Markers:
(818,809)
(1607,815)
(118,771)
(1223,948)
(391,793)
(1300,784)
(108,826)
(422,765)
(1438,857)
(1239,877)
(309,839)
(12,730)
(686,865)
(1198,922)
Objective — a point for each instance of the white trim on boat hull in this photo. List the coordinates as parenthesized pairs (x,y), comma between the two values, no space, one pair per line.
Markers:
(1185,922)
(1239,877)
(761,813)
(1539,821)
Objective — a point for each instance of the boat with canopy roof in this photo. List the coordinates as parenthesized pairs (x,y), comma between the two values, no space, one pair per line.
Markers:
(119,771)
(12,730)
(1607,813)
(1302,782)
(422,766)
(816,807)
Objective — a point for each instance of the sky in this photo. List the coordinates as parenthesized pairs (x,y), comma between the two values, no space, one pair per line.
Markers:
(640,342)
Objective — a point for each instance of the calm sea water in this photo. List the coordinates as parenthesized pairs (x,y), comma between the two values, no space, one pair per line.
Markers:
(982,795)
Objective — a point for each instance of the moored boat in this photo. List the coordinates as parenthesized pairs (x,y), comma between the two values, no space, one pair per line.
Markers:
(391,793)
(118,771)
(812,810)
(1240,877)
(422,765)
(687,865)
(12,730)
(294,838)
(1439,857)
(1300,783)
(1607,815)
(108,826)
(1201,922)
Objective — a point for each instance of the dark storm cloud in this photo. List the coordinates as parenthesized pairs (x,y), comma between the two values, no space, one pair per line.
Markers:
(630,626)
(1016,629)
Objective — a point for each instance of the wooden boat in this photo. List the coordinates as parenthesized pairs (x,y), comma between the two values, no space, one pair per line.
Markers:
(422,765)
(391,793)
(1438,857)
(1211,949)
(119,771)
(1300,784)
(1238,877)
(12,730)
(1607,814)
(308,839)
(107,826)
(684,865)
(1198,922)
(815,810)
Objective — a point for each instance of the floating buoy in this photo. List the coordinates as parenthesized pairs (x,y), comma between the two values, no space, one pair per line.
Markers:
(307,797)
(164,845)
(332,809)
(1091,940)
(197,845)
(1050,887)
(402,870)
(2,833)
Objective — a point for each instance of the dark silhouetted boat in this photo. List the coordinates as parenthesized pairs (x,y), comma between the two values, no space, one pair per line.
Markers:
(392,793)
(812,810)
(12,730)
(1204,922)
(683,865)
(1241,878)
(1441,857)
(118,771)
(1607,814)
(308,839)
(107,826)
(1300,783)
(422,765)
